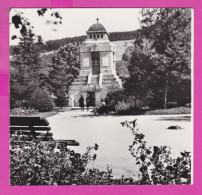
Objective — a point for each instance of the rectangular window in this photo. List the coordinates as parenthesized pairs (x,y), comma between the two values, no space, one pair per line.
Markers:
(90,36)
(101,36)
(86,62)
(94,36)
(97,36)
(105,61)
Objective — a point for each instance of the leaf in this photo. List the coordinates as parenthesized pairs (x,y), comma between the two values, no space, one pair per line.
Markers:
(183,154)
(23,29)
(96,146)
(16,20)
(14,37)
(142,157)
(39,12)
(57,15)
(149,152)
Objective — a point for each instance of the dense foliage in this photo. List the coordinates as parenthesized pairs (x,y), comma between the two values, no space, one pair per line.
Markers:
(24,71)
(64,68)
(48,163)
(161,60)
(123,104)
(42,101)
(155,164)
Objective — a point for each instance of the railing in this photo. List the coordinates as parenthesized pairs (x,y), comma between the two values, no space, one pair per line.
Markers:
(89,78)
(100,80)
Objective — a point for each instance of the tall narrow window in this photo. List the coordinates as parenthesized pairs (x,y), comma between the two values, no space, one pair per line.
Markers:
(90,36)
(94,36)
(97,36)
(101,36)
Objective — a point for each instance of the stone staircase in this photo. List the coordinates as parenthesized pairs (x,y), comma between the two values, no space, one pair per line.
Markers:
(111,81)
(95,79)
(79,81)
(107,81)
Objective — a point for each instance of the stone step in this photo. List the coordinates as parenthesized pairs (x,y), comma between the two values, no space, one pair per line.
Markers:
(79,80)
(78,83)
(111,84)
(110,81)
(94,76)
(94,82)
(110,76)
(105,80)
(82,77)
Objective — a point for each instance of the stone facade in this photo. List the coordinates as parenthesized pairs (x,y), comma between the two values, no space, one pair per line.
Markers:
(97,74)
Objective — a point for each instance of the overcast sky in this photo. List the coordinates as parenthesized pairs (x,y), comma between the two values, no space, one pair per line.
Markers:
(76,21)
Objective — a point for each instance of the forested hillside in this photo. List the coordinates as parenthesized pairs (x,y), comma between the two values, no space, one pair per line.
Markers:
(56,44)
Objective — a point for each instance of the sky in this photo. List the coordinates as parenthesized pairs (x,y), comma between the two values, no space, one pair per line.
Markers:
(76,21)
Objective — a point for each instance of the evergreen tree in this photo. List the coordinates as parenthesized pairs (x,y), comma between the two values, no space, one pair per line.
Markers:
(140,84)
(24,71)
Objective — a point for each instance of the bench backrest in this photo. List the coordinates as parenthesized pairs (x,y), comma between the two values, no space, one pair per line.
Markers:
(31,123)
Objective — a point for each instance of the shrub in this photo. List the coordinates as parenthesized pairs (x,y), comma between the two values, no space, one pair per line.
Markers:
(41,163)
(42,101)
(116,96)
(46,163)
(155,165)
(22,111)
(129,106)
(107,109)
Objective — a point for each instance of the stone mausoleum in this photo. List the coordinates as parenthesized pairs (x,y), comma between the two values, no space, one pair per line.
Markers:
(97,75)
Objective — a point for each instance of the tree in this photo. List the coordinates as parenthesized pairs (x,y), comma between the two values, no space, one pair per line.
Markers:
(24,71)
(22,23)
(170,31)
(140,83)
(164,42)
(42,101)
(64,68)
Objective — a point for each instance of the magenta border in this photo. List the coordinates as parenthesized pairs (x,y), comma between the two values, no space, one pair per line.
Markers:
(196,188)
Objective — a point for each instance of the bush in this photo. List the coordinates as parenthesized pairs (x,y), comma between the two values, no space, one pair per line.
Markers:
(155,165)
(42,101)
(121,103)
(46,163)
(116,96)
(129,106)
(22,111)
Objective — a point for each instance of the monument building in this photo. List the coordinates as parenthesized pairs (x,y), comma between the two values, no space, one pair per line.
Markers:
(97,75)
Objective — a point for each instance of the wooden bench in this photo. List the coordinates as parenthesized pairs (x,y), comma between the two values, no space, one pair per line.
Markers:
(32,127)
(64,143)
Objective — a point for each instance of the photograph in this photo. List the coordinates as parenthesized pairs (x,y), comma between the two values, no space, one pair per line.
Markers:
(101,96)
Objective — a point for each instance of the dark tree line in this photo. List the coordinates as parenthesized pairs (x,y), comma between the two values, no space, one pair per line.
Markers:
(56,44)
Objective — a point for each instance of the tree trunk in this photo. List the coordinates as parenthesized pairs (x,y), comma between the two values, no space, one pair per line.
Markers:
(165,94)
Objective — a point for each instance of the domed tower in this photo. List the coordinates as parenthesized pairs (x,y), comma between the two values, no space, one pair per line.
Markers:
(97,74)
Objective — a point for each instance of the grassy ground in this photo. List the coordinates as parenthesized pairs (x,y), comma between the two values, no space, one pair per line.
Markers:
(179,110)
(51,113)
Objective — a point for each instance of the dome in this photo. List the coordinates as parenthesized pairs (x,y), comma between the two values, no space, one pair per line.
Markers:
(97,28)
